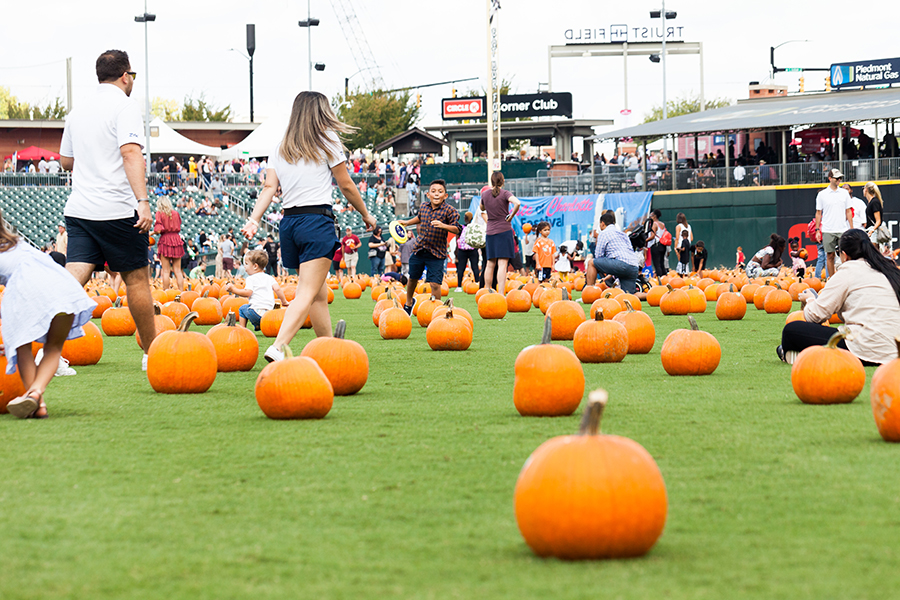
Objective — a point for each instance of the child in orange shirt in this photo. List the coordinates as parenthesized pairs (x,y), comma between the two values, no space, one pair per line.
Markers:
(544,251)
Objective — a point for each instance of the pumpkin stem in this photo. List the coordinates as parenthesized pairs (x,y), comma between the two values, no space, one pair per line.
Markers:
(628,305)
(178,298)
(598,316)
(565,294)
(843,333)
(231,319)
(206,294)
(157,309)
(668,285)
(186,321)
(731,287)
(693,322)
(341,329)
(287,351)
(548,331)
(118,303)
(590,420)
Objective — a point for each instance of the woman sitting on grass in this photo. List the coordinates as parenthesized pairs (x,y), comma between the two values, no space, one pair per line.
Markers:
(767,261)
(865,294)
(42,303)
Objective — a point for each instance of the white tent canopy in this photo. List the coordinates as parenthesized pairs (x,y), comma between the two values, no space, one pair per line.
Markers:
(170,142)
(261,142)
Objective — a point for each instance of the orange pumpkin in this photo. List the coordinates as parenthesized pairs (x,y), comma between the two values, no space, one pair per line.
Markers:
(566,316)
(86,350)
(697,301)
(344,362)
(731,305)
(610,307)
(828,374)
(548,297)
(885,397)
(380,307)
(234,304)
(118,320)
(448,331)
(457,312)
(181,361)
(237,349)
(600,341)
(778,301)
(175,310)
(11,386)
(162,322)
(492,305)
(655,294)
(549,379)
(759,296)
(797,315)
(640,329)
(271,321)
(675,302)
(590,495)
(394,323)
(352,291)
(188,297)
(103,303)
(690,351)
(590,293)
(208,309)
(294,388)
(518,300)
(423,316)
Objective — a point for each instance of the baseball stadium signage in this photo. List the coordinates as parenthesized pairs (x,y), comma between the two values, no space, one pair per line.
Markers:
(868,73)
(514,106)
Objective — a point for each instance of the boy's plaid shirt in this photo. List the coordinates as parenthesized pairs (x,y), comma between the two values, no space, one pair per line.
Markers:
(433,239)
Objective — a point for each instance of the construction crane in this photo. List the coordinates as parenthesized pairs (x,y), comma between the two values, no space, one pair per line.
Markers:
(358,44)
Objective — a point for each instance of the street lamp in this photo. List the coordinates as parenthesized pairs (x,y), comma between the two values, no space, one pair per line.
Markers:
(663,14)
(251,47)
(146,18)
(347,80)
(772,50)
(309,23)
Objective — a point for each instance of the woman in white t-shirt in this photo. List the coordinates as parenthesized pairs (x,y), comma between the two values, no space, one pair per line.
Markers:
(303,164)
(767,261)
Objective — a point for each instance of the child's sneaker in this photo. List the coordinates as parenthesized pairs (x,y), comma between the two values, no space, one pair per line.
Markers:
(408,309)
(458,290)
(64,370)
(273,354)
(144,363)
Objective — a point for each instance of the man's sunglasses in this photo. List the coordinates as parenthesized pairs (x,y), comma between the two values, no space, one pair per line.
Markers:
(132,73)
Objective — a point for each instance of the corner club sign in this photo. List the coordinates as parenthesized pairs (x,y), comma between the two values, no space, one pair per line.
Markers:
(513,106)
(865,74)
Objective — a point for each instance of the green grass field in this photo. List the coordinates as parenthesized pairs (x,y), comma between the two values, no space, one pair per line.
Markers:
(405,489)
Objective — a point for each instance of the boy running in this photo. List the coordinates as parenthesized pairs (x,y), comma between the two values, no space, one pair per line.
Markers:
(436,219)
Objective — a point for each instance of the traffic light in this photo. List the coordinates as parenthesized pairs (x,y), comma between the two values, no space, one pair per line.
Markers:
(828,83)
(453,91)
(802,84)
(418,100)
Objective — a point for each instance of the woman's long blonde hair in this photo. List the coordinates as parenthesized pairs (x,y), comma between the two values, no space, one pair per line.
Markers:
(306,137)
(165,205)
(7,238)
(872,188)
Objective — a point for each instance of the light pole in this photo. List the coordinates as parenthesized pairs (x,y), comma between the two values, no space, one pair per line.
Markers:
(657,14)
(146,18)
(309,23)
(251,47)
(347,81)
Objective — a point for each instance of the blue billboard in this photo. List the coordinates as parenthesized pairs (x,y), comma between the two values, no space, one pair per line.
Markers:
(869,73)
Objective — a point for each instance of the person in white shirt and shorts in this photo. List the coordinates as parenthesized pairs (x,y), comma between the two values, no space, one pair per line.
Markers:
(834,216)
(108,213)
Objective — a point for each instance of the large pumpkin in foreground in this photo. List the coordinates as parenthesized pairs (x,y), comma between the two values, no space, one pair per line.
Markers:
(885,396)
(590,495)
(181,361)
(549,379)
(294,388)
(344,362)
(828,374)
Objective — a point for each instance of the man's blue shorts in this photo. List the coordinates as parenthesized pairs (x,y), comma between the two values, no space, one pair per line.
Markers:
(423,259)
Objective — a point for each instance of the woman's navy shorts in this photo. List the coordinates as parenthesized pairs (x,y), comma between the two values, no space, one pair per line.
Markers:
(500,245)
(306,237)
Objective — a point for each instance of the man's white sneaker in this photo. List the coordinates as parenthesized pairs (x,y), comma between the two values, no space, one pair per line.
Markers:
(458,290)
(273,354)
(144,363)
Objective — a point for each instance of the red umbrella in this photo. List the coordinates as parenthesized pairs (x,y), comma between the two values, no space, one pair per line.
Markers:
(35,153)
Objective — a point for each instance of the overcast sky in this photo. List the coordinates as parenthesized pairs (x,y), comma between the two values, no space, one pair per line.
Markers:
(416,42)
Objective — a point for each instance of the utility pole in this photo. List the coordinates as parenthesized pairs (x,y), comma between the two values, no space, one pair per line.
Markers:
(251,48)
(68,85)
(146,18)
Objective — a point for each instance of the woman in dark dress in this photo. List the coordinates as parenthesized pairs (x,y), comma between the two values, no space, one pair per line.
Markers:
(499,243)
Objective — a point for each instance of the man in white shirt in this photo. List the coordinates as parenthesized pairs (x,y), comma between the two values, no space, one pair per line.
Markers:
(739,173)
(53,166)
(42,166)
(108,214)
(859,208)
(834,216)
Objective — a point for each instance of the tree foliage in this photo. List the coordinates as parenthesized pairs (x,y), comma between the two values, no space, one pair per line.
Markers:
(13,108)
(165,108)
(378,115)
(202,110)
(685,105)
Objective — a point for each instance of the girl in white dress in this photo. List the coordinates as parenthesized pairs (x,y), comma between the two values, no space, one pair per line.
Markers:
(42,303)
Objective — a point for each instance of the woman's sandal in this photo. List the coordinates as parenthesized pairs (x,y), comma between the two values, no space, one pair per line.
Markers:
(29,406)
